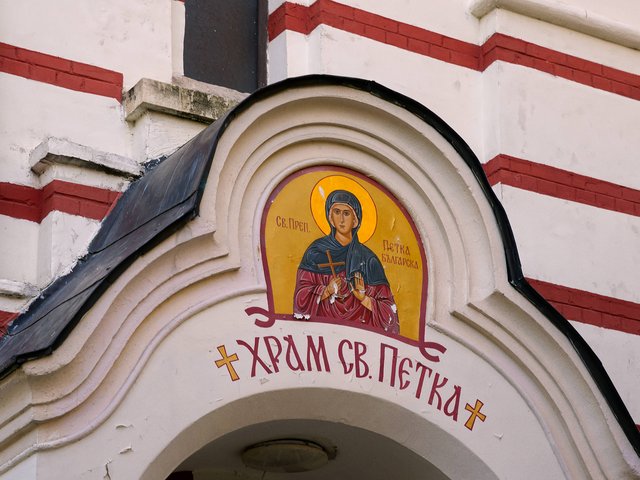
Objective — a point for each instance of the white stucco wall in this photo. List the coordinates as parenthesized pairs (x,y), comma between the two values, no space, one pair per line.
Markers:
(620,355)
(556,122)
(577,247)
(131,38)
(51,111)
(18,242)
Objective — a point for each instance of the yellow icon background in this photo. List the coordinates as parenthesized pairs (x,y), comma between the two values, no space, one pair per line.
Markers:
(296,217)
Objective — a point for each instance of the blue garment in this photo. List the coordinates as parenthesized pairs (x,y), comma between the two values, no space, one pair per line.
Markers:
(354,256)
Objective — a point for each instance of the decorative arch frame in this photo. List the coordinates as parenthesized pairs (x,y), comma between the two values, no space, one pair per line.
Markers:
(479,301)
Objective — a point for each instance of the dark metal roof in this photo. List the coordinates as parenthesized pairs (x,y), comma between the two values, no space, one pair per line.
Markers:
(154,206)
(168,195)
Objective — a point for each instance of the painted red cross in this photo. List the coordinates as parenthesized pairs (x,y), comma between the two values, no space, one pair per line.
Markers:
(475,413)
(226,361)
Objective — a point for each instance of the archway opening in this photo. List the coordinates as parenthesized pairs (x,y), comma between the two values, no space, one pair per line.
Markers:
(352,453)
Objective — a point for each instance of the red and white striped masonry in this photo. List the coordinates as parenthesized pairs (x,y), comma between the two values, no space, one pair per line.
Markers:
(591,308)
(574,304)
(32,204)
(302,19)
(558,183)
(28,203)
(61,72)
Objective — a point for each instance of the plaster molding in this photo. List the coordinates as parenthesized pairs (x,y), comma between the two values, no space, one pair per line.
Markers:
(60,151)
(544,364)
(14,289)
(185,98)
(564,15)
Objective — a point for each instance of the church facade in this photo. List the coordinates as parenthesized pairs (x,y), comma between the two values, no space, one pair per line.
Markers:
(351,239)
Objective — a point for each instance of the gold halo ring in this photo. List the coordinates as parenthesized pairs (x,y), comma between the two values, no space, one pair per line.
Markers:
(325,186)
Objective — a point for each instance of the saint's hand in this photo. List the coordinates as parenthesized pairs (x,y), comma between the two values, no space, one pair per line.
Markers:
(357,288)
(332,288)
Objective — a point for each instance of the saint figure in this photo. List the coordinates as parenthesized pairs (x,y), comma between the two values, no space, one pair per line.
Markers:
(341,278)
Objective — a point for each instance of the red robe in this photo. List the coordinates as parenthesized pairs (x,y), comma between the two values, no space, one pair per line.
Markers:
(344,305)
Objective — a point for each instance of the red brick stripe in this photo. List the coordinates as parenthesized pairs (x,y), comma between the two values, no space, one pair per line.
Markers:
(516,51)
(591,308)
(301,19)
(27,203)
(5,319)
(558,183)
(60,71)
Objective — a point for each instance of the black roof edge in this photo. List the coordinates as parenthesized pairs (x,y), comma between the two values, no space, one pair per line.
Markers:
(514,268)
(101,286)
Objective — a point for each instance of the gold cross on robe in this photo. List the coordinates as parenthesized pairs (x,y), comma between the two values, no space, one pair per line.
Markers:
(331,264)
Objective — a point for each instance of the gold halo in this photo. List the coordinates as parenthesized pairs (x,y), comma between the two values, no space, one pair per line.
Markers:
(325,186)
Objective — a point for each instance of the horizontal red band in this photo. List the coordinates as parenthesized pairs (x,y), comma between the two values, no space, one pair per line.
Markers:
(61,72)
(591,308)
(27,203)
(555,182)
(5,319)
(519,52)
(301,19)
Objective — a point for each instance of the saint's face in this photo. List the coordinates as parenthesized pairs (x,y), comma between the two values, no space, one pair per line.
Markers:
(343,218)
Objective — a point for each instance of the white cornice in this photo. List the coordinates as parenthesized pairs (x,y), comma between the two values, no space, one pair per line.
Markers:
(562,14)
(11,288)
(60,151)
(184,98)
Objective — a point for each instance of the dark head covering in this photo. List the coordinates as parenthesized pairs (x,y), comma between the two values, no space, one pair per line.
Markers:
(356,257)
(346,198)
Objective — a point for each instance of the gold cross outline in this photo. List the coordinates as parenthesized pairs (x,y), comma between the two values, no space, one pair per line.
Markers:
(226,361)
(475,413)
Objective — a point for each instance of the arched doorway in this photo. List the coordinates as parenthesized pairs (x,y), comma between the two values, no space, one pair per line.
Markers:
(351,452)
(367,437)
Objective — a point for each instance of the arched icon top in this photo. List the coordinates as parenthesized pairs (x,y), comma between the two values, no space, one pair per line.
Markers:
(368,270)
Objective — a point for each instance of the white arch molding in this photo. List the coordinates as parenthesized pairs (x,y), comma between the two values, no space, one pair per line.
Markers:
(134,388)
